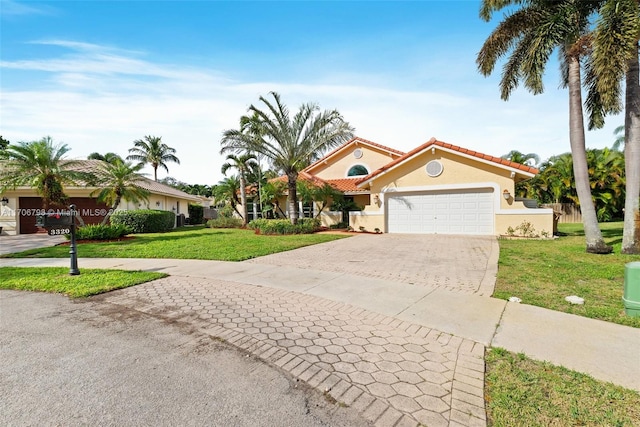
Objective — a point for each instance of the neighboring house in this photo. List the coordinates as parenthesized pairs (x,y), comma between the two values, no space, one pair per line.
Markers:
(19,207)
(435,188)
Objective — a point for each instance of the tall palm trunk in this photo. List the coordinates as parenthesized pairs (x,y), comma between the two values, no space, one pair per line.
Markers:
(595,242)
(631,232)
(243,199)
(292,178)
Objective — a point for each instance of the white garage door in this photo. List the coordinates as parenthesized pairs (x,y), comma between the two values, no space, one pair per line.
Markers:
(442,212)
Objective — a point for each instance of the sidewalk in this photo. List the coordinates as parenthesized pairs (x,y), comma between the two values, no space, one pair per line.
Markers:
(603,350)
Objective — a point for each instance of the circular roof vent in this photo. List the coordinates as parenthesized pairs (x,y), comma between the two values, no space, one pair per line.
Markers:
(434,168)
(357,153)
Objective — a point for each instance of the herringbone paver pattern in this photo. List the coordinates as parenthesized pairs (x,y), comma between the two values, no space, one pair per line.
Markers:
(393,372)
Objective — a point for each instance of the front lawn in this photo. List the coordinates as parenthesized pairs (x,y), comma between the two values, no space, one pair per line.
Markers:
(57,279)
(544,272)
(187,243)
(523,392)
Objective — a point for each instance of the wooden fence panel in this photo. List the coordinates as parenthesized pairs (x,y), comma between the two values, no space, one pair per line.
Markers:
(570,212)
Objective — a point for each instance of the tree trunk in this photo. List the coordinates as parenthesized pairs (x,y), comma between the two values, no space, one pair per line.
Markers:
(243,199)
(292,179)
(595,242)
(116,203)
(631,232)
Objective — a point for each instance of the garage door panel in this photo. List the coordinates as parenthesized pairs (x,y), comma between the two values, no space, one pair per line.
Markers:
(455,212)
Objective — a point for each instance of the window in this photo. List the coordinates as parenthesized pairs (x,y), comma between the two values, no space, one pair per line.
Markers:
(358,170)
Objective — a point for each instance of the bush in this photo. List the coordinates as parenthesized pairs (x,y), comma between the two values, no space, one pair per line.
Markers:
(284,226)
(144,220)
(339,225)
(224,222)
(101,232)
(196,214)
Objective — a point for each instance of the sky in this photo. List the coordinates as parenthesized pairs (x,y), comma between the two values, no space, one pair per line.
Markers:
(98,75)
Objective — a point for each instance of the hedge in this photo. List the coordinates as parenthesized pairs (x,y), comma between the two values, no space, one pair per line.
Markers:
(144,220)
(224,222)
(284,226)
(196,214)
(101,232)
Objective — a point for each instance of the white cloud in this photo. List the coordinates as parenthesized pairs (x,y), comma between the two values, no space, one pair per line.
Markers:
(14,8)
(102,99)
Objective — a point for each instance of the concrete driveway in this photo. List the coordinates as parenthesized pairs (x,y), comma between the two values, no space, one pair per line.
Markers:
(22,242)
(464,264)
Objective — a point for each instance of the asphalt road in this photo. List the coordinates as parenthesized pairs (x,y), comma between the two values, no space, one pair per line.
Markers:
(91,363)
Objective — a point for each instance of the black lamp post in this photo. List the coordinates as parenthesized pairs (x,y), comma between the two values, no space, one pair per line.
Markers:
(73,270)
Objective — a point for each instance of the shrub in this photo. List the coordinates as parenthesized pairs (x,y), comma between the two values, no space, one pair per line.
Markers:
(224,222)
(284,226)
(145,220)
(196,214)
(101,232)
(339,225)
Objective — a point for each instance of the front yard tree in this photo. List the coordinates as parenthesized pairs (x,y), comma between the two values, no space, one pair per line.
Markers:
(119,181)
(530,34)
(530,159)
(289,143)
(614,59)
(42,166)
(152,151)
(227,191)
(243,164)
(108,157)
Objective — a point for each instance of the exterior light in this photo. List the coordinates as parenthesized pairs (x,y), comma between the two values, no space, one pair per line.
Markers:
(157,204)
(4,201)
(506,194)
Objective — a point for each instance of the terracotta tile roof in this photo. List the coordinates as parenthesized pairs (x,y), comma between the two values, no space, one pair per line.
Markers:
(346,185)
(302,176)
(351,141)
(452,147)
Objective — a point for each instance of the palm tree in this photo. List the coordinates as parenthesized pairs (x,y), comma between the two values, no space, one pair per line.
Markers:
(119,181)
(243,164)
(530,159)
(619,142)
(615,57)
(152,151)
(108,157)
(531,34)
(41,165)
(227,190)
(290,143)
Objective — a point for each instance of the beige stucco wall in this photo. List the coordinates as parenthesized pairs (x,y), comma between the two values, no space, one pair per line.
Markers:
(370,221)
(542,223)
(329,218)
(339,165)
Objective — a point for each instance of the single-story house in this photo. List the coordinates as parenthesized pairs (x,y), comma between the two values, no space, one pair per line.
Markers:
(435,188)
(19,207)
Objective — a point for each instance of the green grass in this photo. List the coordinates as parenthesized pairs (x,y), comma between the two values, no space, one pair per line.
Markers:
(187,243)
(523,392)
(57,279)
(544,272)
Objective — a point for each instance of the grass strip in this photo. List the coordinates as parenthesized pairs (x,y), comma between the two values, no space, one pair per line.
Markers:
(523,392)
(57,279)
(544,272)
